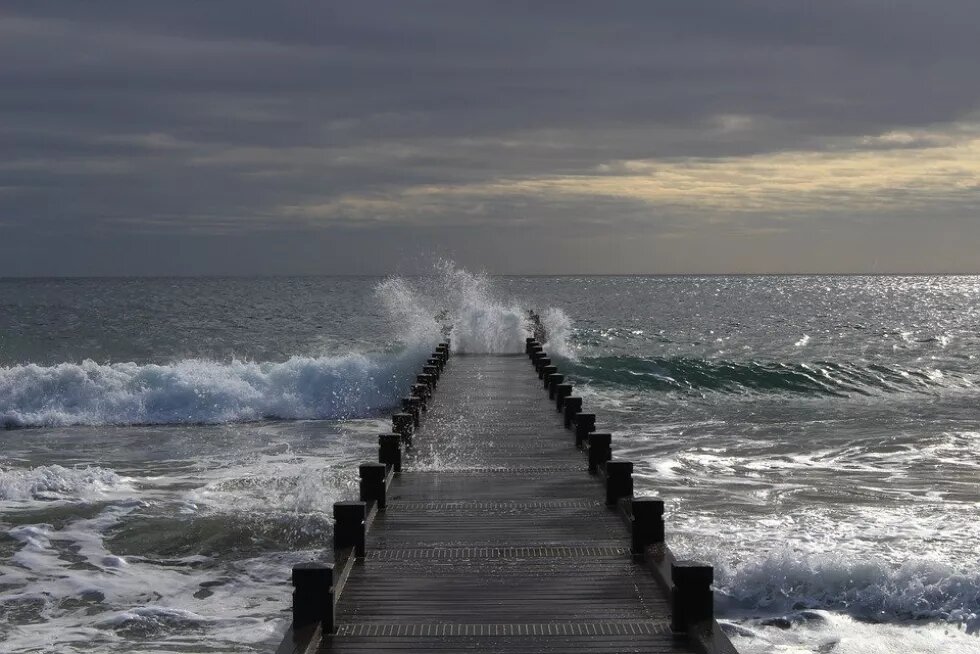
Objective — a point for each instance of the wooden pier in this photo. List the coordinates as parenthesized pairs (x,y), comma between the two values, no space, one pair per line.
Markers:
(531,542)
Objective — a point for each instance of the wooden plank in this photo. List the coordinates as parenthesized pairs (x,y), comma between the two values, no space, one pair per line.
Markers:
(496,538)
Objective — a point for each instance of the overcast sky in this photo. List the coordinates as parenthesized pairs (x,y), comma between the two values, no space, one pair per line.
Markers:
(259,137)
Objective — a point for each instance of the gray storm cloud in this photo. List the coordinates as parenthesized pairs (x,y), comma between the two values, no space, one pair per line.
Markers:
(252,137)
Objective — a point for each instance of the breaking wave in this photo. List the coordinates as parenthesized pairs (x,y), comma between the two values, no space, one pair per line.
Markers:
(790,582)
(452,302)
(198,391)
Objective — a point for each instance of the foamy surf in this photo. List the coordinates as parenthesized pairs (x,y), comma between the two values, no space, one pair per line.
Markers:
(58,483)
(201,392)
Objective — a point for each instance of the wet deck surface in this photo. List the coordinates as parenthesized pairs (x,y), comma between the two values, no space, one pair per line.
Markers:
(496,538)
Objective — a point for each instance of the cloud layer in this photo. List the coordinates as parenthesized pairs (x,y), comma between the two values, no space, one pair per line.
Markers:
(295,137)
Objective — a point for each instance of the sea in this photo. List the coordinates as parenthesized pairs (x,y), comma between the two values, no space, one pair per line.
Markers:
(169,447)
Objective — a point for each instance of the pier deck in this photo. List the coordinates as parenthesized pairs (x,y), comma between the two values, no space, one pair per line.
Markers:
(495,538)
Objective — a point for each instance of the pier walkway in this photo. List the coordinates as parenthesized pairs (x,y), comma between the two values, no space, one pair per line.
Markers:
(495,537)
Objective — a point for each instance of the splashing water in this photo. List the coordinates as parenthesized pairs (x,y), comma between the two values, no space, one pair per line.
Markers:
(315,386)
(478,322)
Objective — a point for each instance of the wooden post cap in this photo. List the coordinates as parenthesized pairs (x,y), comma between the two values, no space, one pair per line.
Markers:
(389,439)
(373,471)
(647,507)
(692,574)
(313,574)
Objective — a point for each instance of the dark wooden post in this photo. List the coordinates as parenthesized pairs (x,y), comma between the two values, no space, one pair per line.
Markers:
(403,425)
(553,381)
(528,342)
(619,480)
(433,373)
(428,380)
(536,350)
(313,596)
(648,524)
(692,600)
(422,391)
(435,362)
(561,392)
(373,483)
(584,425)
(600,450)
(348,526)
(412,405)
(541,363)
(390,451)
(545,371)
(571,407)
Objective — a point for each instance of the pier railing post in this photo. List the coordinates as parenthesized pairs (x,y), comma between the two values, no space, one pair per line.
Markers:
(390,451)
(421,391)
(433,373)
(313,596)
(648,524)
(692,601)
(413,405)
(600,451)
(619,480)
(584,425)
(571,407)
(349,527)
(552,382)
(545,371)
(403,424)
(373,483)
(428,380)
(561,392)
(542,363)
(528,342)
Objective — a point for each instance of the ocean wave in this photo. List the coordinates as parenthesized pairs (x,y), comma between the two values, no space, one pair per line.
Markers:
(787,582)
(840,379)
(55,482)
(196,391)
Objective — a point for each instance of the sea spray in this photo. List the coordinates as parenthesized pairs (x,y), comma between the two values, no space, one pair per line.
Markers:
(202,391)
(465,306)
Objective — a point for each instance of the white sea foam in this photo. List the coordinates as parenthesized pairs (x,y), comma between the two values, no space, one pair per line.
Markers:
(55,482)
(822,631)
(199,391)
(863,588)
(132,597)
